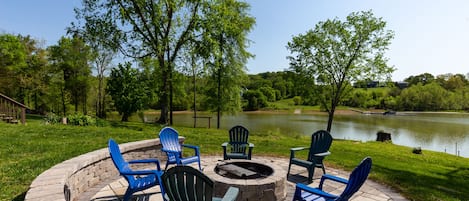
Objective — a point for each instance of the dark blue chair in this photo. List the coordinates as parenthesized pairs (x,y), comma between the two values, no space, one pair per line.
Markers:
(169,138)
(138,179)
(320,143)
(185,183)
(238,147)
(353,184)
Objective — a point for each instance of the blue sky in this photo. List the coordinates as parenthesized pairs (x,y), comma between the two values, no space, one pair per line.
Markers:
(430,35)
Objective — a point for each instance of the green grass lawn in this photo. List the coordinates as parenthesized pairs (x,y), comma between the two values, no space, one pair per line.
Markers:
(28,150)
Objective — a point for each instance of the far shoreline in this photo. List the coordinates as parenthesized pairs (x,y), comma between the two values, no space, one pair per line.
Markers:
(350,111)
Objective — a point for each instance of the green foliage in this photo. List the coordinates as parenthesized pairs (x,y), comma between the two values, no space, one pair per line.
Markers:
(338,53)
(255,100)
(71,70)
(128,92)
(424,97)
(424,79)
(52,118)
(297,100)
(81,120)
(225,26)
(12,52)
(269,93)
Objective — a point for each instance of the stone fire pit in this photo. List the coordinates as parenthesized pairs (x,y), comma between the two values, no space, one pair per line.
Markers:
(256,179)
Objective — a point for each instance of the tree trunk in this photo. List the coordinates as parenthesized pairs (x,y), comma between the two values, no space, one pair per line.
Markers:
(103,107)
(125,117)
(64,108)
(170,95)
(195,90)
(100,94)
(330,118)
(85,105)
(164,95)
(220,65)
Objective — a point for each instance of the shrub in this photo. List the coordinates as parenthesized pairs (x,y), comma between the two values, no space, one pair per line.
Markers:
(297,100)
(52,118)
(80,120)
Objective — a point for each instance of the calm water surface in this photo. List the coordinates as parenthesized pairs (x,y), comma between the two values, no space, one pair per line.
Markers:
(439,132)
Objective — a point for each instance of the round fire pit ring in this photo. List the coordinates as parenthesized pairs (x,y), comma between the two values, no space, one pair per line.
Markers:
(258,179)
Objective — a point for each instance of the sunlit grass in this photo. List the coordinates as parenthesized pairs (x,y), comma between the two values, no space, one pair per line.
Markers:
(28,150)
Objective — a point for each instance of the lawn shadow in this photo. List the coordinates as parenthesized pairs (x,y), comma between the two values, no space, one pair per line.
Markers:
(20,197)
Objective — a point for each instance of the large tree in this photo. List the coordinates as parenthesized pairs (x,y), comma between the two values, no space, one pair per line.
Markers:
(224,33)
(338,53)
(154,28)
(12,60)
(127,89)
(101,35)
(70,59)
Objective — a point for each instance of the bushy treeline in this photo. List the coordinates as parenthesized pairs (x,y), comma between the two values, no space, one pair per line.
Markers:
(59,79)
(424,92)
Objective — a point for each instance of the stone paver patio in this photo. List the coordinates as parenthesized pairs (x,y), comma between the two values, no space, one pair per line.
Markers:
(114,189)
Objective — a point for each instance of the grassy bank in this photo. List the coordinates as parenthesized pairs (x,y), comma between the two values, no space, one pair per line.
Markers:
(28,150)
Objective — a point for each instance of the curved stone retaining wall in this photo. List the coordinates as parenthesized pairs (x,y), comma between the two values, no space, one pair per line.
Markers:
(67,180)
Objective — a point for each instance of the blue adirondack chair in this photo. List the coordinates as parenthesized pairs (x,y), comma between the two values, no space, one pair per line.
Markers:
(138,179)
(320,143)
(353,184)
(239,147)
(185,183)
(169,138)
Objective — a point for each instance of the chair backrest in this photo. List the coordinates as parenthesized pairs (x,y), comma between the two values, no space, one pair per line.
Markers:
(320,142)
(356,179)
(169,138)
(238,136)
(117,158)
(184,183)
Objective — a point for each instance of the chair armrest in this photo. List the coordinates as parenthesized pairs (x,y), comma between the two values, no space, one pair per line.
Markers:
(196,148)
(293,150)
(315,191)
(251,145)
(141,172)
(334,178)
(225,144)
(190,146)
(323,154)
(297,148)
(151,160)
(231,194)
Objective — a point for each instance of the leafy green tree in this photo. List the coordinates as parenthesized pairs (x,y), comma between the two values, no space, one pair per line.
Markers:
(269,93)
(424,78)
(225,26)
(100,34)
(337,53)
(12,59)
(34,77)
(430,97)
(255,100)
(127,90)
(304,83)
(70,58)
(297,100)
(155,28)
(455,82)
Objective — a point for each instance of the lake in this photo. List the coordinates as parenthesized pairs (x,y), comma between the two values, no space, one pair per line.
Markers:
(433,131)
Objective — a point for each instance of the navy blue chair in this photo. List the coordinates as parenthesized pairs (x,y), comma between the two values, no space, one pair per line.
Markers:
(353,184)
(185,183)
(169,138)
(238,147)
(138,179)
(319,148)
